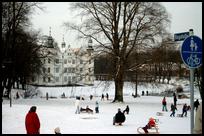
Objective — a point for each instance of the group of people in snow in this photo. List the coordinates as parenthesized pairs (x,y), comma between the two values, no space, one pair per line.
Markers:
(174,107)
(32,122)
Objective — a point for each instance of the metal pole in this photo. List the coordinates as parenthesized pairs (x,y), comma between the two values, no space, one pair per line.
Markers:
(191,91)
(192,98)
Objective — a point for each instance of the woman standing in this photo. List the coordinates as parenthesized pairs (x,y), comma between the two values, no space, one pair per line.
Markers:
(32,121)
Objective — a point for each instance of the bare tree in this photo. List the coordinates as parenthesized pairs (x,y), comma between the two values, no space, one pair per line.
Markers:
(15,20)
(119,28)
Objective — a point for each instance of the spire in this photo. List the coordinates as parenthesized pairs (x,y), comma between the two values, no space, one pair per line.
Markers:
(63,43)
(50,32)
(50,40)
(90,48)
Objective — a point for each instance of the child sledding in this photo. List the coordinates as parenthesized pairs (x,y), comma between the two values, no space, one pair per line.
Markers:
(86,110)
(150,128)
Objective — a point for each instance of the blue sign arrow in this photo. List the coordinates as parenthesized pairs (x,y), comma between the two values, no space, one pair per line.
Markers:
(191,52)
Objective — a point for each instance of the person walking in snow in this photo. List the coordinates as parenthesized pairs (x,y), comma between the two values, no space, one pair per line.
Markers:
(127,109)
(164,103)
(185,109)
(97,107)
(173,109)
(32,122)
(77,102)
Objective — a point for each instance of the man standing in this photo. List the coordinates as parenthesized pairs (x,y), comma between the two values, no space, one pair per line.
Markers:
(175,99)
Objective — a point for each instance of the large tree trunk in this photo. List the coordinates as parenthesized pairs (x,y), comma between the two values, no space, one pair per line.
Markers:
(119,82)
(118,89)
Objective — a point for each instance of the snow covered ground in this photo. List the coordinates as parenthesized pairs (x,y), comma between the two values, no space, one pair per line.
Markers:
(60,112)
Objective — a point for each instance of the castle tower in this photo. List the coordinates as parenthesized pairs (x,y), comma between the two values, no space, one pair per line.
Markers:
(90,48)
(50,40)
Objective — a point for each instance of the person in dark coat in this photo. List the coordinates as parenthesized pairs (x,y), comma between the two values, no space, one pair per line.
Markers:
(175,98)
(185,109)
(127,109)
(107,96)
(164,104)
(196,104)
(97,107)
(91,97)
(32,122)
(173,109)
(102,97)
(119,118)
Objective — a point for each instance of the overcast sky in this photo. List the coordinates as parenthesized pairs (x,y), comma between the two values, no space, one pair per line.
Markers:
(184,16)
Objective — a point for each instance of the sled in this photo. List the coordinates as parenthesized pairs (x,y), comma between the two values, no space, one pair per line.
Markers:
(117,124)
(160,114)
(82,110)
(179,115)
(153,130)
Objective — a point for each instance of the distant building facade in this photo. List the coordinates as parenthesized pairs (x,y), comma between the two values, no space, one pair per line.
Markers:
(71,66)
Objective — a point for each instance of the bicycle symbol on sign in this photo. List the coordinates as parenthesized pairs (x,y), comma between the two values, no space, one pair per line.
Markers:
(193,60)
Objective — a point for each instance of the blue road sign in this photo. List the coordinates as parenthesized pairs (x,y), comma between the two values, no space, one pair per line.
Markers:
(191,52)
(181,36)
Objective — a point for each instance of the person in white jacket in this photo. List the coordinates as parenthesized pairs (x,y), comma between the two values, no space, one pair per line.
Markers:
(77,102)
(198,121)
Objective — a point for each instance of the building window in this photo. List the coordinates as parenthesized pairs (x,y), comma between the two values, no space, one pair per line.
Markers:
(44,60)
(57,70)
(81,61)
(65,61)
(73,61)
(48,70)
(49,60)
(65,79)
(65,70)
(73,70)
(69,80)
(69,60)
(49,79)
(57,79)
(74,79)
(57,61)
(89,61)
(44,79)
(69,70)
(80,79)
(81,69)
(44,70)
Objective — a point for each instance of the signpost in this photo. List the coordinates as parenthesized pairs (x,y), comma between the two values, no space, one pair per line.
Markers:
(191,54)
(180,36)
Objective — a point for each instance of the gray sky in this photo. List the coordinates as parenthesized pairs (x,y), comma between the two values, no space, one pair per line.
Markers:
(184,16)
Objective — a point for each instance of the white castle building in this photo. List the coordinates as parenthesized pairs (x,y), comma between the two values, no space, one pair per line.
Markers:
(71,66)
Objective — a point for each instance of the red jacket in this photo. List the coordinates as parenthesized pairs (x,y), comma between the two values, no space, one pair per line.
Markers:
(151,122)
(32,123)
